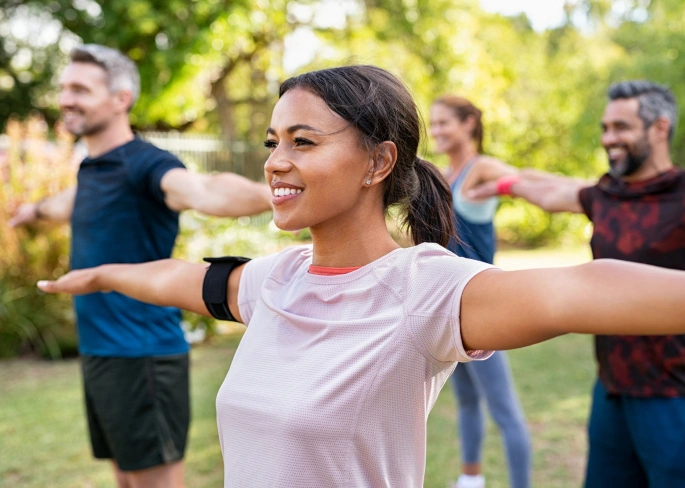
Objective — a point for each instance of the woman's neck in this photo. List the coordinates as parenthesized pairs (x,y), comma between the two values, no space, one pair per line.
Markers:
(460,156)
(355,241)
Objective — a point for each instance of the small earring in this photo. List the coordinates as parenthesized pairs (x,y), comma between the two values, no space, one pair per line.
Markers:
(368,182)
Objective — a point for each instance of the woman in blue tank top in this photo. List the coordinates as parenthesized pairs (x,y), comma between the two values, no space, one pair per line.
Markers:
(457,129)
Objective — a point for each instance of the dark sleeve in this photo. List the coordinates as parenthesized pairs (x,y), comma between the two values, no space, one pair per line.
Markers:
(152,165)
(155,178)
(585,195)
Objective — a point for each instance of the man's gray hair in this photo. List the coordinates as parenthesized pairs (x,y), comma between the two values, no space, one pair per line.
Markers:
(122,73)
(655,101)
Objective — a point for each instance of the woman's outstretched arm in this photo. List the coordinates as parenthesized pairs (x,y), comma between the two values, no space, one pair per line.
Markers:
(167,282)
(510,309)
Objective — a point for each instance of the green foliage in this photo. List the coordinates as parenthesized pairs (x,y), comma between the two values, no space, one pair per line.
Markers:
(30,55)
(30,321)
(531,117)
(215,66)
(653,42)
(195,58)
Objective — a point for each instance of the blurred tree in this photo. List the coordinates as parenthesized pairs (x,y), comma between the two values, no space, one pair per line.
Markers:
(31,45)
(195,58)
(215,65)
(652,36)
(541,93)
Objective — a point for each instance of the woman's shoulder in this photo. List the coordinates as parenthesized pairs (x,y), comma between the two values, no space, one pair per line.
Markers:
(282,264)
(294,256)
(302,251)
(487,163)
(435,277)
(431,260)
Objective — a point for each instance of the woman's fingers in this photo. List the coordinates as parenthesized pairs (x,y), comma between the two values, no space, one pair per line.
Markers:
(48,286)
(78,282)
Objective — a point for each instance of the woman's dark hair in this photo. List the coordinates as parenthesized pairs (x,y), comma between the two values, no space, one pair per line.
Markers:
(463,109)
(381,108)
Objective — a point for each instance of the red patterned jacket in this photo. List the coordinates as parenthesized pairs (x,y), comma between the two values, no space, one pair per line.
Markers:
(642,222)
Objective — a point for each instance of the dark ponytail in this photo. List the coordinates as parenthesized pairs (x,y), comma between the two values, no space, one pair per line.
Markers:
(429,210)
(380,107)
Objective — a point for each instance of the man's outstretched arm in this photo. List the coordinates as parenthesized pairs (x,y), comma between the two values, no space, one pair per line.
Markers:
(57,208)
(551,193)
(220,195)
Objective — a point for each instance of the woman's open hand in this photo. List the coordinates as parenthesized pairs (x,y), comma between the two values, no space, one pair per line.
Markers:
(78,282)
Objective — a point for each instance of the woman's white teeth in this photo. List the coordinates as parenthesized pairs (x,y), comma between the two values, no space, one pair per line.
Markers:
(282,192)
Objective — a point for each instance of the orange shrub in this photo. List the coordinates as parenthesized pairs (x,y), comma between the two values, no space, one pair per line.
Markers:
(32,166)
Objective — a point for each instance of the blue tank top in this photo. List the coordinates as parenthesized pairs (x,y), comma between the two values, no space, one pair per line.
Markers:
(473,222)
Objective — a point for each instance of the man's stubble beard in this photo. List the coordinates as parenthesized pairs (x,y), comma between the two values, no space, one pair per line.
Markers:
(634,159)
(87,129)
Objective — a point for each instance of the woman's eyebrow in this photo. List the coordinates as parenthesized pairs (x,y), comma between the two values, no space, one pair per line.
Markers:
(294,128)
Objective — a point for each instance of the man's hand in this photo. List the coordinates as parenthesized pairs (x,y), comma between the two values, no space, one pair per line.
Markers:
(78,282)
(25,214)
(57,208)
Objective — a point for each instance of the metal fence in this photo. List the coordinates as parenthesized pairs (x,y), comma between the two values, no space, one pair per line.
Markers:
(207,153)
(199,152)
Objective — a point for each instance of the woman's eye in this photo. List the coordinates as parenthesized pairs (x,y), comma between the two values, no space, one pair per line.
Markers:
(302,142)
(270,144)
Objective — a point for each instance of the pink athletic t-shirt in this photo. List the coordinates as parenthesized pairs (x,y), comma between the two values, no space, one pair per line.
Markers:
(333,381)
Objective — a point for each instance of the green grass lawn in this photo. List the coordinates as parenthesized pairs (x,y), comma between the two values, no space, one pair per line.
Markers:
(43,438)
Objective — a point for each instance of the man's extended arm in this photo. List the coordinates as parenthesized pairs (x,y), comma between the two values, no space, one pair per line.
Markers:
(551,193)
(57,208)
(221,195)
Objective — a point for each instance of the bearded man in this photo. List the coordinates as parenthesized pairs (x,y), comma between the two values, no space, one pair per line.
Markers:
(637,420)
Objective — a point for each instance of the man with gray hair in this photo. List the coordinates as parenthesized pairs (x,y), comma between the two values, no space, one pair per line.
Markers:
(124,209)
(122,73)
(637,421)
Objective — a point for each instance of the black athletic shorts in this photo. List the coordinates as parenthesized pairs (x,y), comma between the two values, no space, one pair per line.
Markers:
(138,408)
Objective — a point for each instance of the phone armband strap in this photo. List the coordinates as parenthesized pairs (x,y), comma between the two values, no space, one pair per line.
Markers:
(215,285)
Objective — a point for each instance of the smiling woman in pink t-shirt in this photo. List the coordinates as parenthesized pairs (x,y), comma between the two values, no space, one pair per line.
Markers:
(337,371)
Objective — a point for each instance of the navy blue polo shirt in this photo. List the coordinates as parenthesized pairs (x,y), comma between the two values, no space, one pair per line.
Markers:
(120,217)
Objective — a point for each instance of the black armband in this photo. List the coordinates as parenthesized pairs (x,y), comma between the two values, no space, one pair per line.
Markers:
(215,285)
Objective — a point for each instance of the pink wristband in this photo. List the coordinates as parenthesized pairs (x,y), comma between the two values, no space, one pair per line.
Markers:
(504,184)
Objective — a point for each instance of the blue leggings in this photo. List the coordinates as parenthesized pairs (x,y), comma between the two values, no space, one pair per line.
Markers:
(491,380)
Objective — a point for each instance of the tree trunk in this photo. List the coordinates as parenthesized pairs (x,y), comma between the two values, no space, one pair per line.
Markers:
(224,108)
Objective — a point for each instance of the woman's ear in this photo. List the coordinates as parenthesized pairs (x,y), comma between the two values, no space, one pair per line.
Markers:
(470,123)
(381,163)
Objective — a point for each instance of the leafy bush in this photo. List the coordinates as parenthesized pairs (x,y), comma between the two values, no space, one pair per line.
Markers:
(31,168)
(523,225)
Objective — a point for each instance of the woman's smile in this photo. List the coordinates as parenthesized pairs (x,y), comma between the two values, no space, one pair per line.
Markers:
(284,192)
